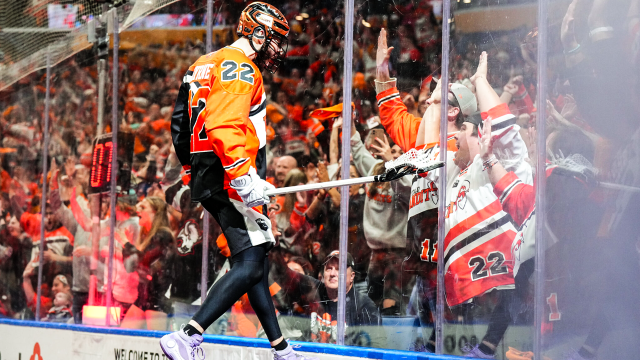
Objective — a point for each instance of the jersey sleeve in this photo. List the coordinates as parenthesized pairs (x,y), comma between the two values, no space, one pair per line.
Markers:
(399,124)
(523,101)
(227,114)
(180,131)
(509,147)
(516,197)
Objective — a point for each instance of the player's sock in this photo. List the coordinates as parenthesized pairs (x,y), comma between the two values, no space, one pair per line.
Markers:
(282,345)
(585,353)
(190,330)
(485,349)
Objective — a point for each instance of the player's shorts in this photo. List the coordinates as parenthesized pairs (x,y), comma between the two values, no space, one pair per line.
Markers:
(242,226)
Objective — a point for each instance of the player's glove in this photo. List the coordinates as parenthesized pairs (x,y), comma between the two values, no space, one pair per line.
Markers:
(251,188)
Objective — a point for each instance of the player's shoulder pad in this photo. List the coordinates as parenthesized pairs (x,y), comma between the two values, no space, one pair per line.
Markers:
(235,73)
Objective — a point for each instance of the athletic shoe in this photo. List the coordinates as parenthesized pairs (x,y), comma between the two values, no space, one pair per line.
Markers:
(180,346)
(475,352)
(289,354)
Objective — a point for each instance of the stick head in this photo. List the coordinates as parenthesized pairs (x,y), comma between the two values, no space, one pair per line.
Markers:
(412,162)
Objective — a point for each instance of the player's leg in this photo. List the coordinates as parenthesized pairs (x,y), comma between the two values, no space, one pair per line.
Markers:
(262,304)
(185,344)
(249,268)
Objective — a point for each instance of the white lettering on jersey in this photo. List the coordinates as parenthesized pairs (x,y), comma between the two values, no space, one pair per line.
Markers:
(202,72)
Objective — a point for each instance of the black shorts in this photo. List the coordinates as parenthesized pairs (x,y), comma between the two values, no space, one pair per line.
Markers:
(243,227)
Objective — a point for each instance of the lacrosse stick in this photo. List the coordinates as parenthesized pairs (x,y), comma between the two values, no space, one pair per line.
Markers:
(577,165)
(412,162)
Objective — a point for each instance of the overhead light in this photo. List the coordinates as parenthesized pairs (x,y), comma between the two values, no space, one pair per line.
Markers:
(298,17)
(366,24)
(305,15)
(466,1)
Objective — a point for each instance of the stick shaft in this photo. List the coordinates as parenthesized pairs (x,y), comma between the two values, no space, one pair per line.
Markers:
(613,186)
(323,185)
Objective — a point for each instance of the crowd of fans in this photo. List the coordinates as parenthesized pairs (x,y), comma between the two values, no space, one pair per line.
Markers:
(156,269)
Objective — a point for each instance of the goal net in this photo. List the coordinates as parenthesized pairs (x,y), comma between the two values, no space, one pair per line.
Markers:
(29,29)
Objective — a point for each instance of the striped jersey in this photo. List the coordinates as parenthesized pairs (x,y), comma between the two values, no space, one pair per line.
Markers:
(479,233)
(218,124)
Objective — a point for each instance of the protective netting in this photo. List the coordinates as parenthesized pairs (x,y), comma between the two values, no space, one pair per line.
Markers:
(29,27)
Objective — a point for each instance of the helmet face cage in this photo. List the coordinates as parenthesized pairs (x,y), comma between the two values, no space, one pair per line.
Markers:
(273,53)
(266,20)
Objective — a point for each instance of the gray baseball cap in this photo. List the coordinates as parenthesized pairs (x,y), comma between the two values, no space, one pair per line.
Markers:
(466,99)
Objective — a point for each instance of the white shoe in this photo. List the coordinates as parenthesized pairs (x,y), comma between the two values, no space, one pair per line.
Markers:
(180,346)
(290,354)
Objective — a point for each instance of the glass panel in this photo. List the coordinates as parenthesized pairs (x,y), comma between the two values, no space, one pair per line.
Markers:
(21,195)
(305,149)
(590,311)
(489,306)
(488,291)
(153,63)
(158,267)
(72,275)
(392,233)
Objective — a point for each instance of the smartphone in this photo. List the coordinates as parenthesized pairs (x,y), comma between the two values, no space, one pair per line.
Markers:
(371,137)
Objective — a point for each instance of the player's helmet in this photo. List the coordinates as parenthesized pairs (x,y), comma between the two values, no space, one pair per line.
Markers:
(263,24)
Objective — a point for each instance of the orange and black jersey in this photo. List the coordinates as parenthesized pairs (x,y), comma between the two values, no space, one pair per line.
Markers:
(218,124)
(399,124)
(422,230)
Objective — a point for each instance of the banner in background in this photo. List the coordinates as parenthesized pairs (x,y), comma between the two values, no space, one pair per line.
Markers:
(164,20)
(62,16)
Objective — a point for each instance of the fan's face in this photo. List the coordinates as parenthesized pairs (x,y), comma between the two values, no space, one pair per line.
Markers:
(396,151)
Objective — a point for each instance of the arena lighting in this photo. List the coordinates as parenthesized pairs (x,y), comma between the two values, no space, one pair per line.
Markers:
(305,15)
(366,24)
(466,1)
(299,18)
(97,315)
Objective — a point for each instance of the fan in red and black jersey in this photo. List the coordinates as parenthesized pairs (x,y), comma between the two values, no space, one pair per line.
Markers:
(405,130)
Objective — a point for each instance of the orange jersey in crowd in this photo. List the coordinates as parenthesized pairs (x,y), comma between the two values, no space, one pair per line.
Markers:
(218,124)
(399,124)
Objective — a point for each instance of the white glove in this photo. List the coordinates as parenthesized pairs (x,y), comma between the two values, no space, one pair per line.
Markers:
(251,188)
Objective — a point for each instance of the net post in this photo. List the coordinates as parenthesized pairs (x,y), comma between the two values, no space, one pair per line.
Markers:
(346,152)
(43,199)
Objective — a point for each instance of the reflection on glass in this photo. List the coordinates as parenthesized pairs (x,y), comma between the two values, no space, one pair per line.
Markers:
(590,196)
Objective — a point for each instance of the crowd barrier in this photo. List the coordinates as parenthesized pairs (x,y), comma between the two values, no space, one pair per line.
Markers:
(31,340)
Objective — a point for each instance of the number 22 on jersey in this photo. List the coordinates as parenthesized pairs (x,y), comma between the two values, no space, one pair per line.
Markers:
(198,94)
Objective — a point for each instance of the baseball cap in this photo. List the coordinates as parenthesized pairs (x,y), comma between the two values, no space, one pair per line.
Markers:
(336,254)
(474,118)
(466,100)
